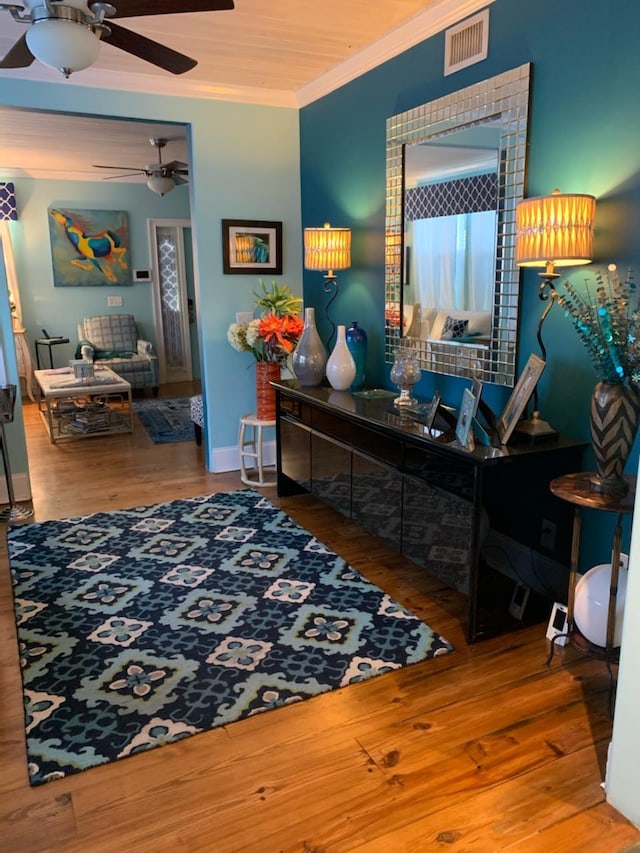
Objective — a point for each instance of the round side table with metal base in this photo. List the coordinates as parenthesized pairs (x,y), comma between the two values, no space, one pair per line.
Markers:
(250,448)
(576,489)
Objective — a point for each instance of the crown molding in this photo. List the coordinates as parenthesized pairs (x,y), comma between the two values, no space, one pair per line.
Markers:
(425,24)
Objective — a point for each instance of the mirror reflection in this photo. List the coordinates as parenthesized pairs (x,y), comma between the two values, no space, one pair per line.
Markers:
(455,173)
(450,210)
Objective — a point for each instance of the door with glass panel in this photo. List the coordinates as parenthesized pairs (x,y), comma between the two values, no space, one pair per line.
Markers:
(172,305)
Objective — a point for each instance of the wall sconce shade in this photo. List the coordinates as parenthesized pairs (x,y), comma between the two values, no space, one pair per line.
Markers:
(8,206)
(327,248)
(555,228)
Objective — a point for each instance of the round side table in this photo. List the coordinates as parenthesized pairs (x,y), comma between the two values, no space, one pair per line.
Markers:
(250,448)
(576,489)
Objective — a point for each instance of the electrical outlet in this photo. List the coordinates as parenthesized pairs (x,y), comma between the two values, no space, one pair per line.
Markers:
(114,301)
(624,560)
(548,535)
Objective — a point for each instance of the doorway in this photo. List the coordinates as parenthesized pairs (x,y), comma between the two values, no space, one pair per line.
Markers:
(173,299)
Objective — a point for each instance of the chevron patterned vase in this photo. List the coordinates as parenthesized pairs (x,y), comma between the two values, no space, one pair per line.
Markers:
(615,409)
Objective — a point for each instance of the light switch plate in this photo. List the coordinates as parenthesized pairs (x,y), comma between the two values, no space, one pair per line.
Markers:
(244,317)
(114,301)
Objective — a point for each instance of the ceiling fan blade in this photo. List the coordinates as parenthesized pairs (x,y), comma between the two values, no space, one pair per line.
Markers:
(138,8)
(122,168)
(149,50)
(178,180)
(176,166)
(127,175)
(19,56)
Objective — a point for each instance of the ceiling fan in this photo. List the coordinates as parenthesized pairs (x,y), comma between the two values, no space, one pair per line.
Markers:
(66,34)
(161,177)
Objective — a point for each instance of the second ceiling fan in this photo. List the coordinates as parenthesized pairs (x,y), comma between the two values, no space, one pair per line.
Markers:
(161,177)
(66,34)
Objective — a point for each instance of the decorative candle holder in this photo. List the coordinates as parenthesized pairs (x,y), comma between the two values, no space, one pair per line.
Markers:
(405,373)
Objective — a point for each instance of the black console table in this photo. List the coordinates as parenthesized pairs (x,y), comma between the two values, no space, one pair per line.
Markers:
(478,520)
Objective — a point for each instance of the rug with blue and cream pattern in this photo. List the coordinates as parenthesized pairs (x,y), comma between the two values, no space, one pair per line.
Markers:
(140,627)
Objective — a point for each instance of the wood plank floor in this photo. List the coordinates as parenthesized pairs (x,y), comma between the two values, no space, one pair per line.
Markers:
(482,750)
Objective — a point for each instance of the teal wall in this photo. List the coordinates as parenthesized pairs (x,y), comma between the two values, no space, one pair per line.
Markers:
(584,136)
(244,164)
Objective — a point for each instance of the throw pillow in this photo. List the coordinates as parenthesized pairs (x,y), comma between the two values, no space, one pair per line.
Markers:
(454,328)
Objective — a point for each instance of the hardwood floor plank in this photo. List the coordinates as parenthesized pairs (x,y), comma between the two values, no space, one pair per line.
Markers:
(507,816)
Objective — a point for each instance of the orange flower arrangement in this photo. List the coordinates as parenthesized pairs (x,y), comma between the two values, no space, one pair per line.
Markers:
(272,337)
(280,334)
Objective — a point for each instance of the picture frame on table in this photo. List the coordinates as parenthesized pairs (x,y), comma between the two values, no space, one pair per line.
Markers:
(517,402)
(468,409)
(432,410)
(251,246)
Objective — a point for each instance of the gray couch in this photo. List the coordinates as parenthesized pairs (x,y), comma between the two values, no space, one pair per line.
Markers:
(112,339)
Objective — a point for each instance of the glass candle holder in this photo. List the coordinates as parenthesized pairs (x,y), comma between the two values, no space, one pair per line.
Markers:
(405,373)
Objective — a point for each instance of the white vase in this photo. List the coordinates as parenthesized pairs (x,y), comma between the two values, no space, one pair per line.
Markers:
(341,368)
(310,356)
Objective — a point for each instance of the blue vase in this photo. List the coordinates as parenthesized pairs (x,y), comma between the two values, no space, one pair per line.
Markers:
(357,343)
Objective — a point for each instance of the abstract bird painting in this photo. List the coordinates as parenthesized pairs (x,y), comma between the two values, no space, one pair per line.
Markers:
(89,247)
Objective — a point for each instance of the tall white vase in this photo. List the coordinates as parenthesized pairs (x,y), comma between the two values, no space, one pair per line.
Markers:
(310,356)
(341,368)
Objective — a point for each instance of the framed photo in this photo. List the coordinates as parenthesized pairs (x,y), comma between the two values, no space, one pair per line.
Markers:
(432,411)
(518,400)
(468,410)
(250,246)
(89,248)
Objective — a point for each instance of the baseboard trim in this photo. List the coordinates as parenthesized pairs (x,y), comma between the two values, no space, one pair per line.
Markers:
(228,458)
(21,489)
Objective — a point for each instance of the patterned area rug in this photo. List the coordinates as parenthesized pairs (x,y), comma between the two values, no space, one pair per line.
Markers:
(166,420)
(147,625)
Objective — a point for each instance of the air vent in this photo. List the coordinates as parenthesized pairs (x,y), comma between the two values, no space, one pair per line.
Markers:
(466,43)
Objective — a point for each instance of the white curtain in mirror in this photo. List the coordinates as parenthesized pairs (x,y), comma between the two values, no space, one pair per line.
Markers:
(453,261)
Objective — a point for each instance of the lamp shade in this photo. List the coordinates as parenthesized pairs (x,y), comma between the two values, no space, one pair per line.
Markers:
(64,45)
(327,248)
(555,228)
(160,184)
(8,208)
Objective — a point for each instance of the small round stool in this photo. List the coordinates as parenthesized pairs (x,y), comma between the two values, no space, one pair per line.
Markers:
(250,448)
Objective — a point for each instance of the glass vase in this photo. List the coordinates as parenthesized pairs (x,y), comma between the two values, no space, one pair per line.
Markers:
(310,356)
(357,343)
(341,368)
(405,373)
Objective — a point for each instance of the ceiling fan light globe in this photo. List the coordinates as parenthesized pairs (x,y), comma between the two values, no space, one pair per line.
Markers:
(160,184)
(66,46)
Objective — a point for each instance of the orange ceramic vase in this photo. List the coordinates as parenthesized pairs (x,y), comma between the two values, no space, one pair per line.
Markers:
(266,372)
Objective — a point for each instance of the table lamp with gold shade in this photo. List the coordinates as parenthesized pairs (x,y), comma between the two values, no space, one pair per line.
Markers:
(552,231)
(328,249)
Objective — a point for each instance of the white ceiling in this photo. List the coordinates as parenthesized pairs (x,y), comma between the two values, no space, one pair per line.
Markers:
(279,52)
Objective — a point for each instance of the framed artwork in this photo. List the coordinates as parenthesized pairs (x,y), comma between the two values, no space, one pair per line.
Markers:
(250,246)
(89,248)
(468,409)
(518,400)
